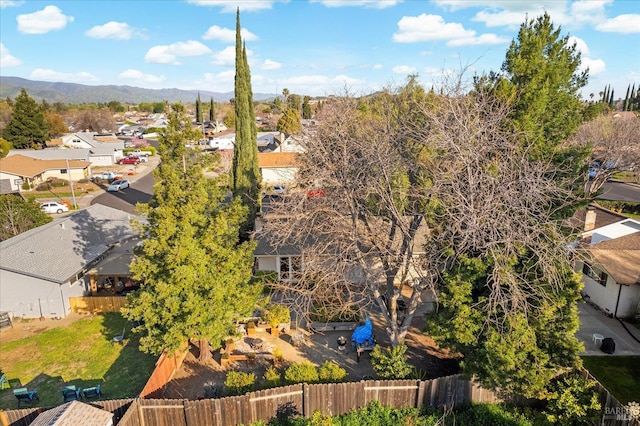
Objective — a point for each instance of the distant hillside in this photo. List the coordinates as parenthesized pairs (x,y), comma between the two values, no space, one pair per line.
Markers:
(71,93)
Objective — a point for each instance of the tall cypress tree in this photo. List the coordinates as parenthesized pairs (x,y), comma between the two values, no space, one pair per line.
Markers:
(245,173)
(212,113)
(198,112)
(625,107)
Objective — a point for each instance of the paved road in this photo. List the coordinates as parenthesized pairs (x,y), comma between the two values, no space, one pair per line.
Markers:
(140,190)
(620,191)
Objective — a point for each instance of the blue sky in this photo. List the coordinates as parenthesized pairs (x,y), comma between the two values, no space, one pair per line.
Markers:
(310,47)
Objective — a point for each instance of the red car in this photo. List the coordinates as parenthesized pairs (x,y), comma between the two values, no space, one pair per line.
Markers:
(129,160)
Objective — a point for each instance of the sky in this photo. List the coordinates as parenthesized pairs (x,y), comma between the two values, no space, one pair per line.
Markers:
(310,47)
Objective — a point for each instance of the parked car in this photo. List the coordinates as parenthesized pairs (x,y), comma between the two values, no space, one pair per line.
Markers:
(54,207)
(129,160)
(117,185)
(108,176)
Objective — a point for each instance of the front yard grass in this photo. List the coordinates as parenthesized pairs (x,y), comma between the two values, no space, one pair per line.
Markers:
(80,354)
(619,374)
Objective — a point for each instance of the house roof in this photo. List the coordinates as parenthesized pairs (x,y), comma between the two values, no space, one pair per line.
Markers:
(74,413)
(60,249)
(20,165)
(620,257)
(604,217)
(614,230)
(277,159)
(80,154)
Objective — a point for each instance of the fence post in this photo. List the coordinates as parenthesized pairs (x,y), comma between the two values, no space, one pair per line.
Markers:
(306,401)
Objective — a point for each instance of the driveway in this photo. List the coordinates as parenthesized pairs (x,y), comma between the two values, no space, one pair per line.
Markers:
(593,321)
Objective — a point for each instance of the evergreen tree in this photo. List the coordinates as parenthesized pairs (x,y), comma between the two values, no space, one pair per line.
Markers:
(245,173)
(198,111)
(611,98)
(28,126)
(635,98)
(543,80)
(18,215)
(625,106)
(290,122)
(212,111)
(306,108)
(195,274)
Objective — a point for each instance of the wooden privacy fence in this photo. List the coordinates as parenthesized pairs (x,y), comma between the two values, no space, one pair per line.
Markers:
(96,304)
(166,366)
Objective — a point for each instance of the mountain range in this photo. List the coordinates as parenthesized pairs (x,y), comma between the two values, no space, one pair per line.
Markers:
(72,93)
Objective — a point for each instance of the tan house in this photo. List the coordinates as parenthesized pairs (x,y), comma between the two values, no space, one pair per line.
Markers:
(19,169)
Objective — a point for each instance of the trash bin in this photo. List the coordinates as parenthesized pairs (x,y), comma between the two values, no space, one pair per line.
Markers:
(608,345)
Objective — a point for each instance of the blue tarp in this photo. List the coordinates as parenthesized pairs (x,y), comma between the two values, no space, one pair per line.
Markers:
(363,334)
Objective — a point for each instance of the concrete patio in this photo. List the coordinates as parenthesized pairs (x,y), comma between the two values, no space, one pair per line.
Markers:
(593,321)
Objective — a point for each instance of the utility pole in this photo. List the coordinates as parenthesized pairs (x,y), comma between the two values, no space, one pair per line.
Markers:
(73,194)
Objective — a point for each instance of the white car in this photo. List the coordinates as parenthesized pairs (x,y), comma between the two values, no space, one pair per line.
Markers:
(117,185)
(53,207)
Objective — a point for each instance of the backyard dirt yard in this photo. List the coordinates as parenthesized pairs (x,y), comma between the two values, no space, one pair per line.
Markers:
(197,380)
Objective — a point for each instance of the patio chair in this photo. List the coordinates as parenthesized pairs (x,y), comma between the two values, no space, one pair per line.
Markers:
(119,338)
(93,392)
(70,393)
(25,396)
(4,383)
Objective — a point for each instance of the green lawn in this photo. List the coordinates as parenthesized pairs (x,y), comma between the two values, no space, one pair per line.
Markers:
(619,374)
(81,354)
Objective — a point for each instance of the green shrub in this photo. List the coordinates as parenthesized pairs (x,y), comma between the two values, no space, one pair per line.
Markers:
(276,314)
(572,401)
(26,186)
(238,382)
(303,372)
(272,377)
(330,372)
(83,180)
(391,363)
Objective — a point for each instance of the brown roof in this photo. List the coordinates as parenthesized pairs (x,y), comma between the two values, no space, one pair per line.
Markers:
(603,217)
(20,165)
(277,159)
(106,138)
(620,257)
(54,142)
(74,413)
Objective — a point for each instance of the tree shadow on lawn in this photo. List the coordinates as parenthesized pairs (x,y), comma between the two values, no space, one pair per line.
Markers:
(127,374)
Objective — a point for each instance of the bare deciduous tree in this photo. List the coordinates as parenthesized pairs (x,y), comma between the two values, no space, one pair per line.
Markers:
(615,143)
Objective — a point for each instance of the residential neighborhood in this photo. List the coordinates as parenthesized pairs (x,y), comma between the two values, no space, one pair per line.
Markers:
(437,255)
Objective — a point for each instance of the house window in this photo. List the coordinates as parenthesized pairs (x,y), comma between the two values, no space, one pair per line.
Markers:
(290,267)
(63,171)
(600,278)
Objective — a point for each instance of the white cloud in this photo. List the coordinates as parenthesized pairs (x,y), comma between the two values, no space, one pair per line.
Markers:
(413,29)
(378,67)
(581,45)
(169,54)
(228,35)
(373,4)
(227,56)
(9,3)
(345,80)
(115,30)
(403,69)
(596,66)
(623,24)
(140,77)
(230,6)
(6,59)
(270,65)
(588,11)
(41,22)
(51,75)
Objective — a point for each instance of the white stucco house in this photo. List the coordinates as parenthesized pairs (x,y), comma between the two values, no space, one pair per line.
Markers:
(609,259)
(41,268)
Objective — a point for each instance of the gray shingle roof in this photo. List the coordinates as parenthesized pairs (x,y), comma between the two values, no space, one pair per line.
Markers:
(74,413)
(62,248)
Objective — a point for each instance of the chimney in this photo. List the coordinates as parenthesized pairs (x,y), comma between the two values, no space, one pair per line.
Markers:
(590,219)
